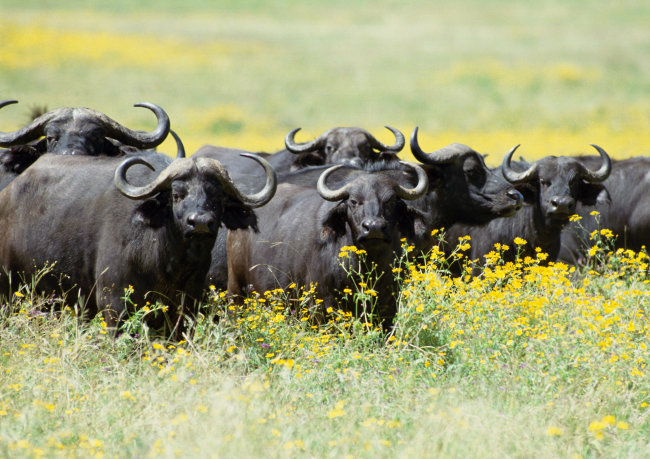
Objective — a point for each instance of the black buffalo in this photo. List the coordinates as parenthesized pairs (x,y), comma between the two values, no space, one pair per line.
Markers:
(552,186)
(627,216)
(74,131)
(461,189)
(303,228)
(106,223)
(340,145)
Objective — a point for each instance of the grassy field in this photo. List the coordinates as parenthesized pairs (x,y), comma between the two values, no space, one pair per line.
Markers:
(553,76)
(524,361)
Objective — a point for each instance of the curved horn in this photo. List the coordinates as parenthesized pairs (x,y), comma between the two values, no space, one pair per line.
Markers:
(602,173)
(161,182)
(265,194)
(397,146)
(517,177)
(444,155)
(420,188)
(138,139)
(294,147)
(180,149)
(32,131)
(325,192)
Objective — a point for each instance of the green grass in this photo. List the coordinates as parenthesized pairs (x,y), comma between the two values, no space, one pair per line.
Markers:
(520,362)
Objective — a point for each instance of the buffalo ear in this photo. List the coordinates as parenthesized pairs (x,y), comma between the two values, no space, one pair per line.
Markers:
(41,146)
(333,226)
(237,215)
(594,193)
(154,212)
(113,148)
(18,158)
(311,158)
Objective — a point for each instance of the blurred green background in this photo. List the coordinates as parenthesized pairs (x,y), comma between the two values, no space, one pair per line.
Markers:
(552,75)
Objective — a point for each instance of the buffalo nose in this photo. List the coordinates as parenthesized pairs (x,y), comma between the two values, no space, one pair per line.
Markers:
(515,195)
(563,204)
(200,222)
(373,227)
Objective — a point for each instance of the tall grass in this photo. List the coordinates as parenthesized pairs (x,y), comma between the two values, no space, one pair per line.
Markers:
(524,360)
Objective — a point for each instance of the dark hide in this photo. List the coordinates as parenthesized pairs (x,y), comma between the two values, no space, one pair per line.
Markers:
(66,210)
(352,146)
(627,215)
(463,190)
(550,199)
(71,131)
(301,234)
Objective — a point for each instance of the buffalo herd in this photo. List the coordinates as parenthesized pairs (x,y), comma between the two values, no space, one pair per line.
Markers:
(93,209)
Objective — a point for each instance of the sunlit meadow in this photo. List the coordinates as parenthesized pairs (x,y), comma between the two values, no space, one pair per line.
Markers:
(525,360)
(554,76)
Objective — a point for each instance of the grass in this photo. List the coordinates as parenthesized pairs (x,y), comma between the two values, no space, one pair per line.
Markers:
(522,361)
(525,361)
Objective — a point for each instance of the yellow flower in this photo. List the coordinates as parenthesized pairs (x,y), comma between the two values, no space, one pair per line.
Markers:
(127,396)
(519,241)
(575,218)
(594,213)
(607,233)
(553,431)
(608,420)
(338,410)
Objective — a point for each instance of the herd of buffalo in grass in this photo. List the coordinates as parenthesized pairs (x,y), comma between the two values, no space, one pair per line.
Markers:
(92,208)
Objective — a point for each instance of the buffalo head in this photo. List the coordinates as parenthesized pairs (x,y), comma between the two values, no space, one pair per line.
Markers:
(83,131)
(555,184)
(466,189)
(373,207)
(342,145)
(198,195)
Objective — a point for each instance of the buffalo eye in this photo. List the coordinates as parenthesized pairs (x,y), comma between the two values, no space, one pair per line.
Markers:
(178,195)
(329,149)
(544,182)
(353,202)
(473,173)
